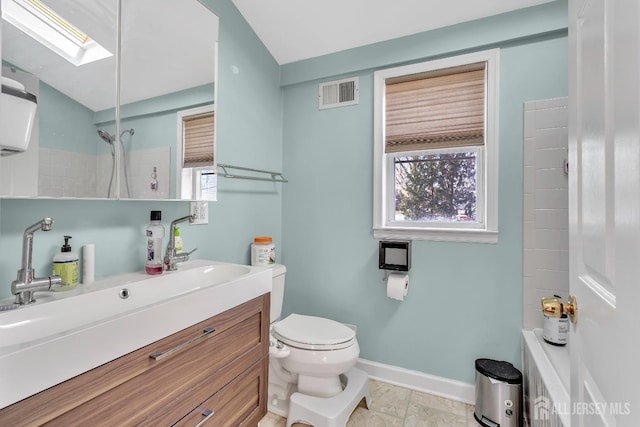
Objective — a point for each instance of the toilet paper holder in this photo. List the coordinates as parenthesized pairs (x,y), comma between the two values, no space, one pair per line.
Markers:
(394,255)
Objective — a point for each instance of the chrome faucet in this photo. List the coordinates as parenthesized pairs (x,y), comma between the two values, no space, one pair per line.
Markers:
(171,258)
(26,284)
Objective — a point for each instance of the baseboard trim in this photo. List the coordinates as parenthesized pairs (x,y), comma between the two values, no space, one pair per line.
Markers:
(415,380)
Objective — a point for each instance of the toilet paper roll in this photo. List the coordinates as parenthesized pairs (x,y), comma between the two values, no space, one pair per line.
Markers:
(88,263)
(397,286)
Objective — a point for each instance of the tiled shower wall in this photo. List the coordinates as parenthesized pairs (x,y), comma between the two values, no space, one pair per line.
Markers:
(545,207)
(70,174)
(66,174)
(141,164)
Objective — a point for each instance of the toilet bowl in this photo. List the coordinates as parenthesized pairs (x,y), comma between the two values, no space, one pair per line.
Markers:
(320,350)
(308,354)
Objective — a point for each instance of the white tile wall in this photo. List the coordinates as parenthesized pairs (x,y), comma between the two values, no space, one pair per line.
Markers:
(141,164)
(66,174)
(69,174)
(545,235)
(104,165)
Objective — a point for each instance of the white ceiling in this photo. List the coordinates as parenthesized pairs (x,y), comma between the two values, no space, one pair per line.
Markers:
(155,60)
(294,30)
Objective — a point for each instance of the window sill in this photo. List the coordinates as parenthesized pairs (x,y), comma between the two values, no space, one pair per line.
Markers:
(438,235)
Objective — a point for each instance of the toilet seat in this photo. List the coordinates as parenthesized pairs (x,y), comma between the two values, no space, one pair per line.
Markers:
(313,333)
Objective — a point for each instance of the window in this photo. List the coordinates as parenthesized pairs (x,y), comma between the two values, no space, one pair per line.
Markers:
(436,150)
(47,27)
(196,176)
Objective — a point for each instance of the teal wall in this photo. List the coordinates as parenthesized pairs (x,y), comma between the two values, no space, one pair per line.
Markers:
(155,122)
(65,124)
(250,134)
(465,300)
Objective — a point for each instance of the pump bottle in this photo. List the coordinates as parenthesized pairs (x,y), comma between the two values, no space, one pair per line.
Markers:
(65,265)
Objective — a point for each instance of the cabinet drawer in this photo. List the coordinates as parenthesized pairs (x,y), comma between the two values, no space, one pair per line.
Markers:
(241,402)
(176,378)
(135,387)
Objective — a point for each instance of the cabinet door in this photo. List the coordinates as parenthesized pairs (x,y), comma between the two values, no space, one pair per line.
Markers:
(241,402)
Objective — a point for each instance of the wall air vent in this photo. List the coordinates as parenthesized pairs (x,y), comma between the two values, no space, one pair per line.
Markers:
(338,93)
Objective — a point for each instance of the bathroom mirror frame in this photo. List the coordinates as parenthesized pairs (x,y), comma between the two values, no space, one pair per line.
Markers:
(135,71)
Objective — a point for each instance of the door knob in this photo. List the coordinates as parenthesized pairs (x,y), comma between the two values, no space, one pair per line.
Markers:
(553,307)
(571,308)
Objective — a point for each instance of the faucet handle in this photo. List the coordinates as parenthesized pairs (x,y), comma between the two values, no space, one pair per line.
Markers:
(183,256)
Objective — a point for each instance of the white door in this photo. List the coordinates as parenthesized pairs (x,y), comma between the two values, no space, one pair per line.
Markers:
(604,211)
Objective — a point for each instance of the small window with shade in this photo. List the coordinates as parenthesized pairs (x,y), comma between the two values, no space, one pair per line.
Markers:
(435,175)
(196,177)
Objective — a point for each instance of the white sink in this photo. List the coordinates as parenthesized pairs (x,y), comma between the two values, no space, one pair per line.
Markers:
(65,334)
(60,312)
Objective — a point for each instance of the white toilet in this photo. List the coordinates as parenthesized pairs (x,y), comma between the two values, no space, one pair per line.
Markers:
(307,354)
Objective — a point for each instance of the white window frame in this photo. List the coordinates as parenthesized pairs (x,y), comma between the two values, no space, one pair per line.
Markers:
(47,27)
(485,229)
(191,189)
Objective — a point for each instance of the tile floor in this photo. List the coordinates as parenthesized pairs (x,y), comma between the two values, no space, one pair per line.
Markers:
(395,406)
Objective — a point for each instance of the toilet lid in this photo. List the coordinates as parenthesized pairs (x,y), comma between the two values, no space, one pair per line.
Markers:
(313,333)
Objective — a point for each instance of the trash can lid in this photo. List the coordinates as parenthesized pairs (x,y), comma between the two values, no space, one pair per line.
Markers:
(499,370)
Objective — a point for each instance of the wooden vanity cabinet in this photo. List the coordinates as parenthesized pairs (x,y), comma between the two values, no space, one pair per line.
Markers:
(218,365)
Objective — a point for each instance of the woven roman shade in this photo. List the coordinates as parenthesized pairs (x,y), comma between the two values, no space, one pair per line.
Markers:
(198,140)
(437,109)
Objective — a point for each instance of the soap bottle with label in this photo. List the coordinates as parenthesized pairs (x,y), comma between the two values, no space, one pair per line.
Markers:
(65,265)
(155,234)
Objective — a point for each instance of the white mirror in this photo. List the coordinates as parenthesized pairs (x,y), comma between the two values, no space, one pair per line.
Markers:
(167,65)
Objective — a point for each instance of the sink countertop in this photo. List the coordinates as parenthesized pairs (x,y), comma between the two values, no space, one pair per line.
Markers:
(78,338)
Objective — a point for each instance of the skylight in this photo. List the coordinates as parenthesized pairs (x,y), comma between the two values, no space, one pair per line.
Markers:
(47,27)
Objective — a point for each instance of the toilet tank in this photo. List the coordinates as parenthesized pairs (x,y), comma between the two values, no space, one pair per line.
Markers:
(277,291)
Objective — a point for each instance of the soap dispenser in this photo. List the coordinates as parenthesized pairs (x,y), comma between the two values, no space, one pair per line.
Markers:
(65,265)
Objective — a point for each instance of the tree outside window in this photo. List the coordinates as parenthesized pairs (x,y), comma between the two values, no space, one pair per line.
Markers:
(437,187)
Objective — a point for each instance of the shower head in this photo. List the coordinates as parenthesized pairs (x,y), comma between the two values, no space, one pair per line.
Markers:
(105,136)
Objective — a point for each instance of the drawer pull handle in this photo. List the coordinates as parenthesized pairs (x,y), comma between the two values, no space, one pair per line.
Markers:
(161,355)
(208,413)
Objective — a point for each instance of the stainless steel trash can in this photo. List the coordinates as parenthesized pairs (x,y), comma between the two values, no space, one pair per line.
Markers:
(498,394)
